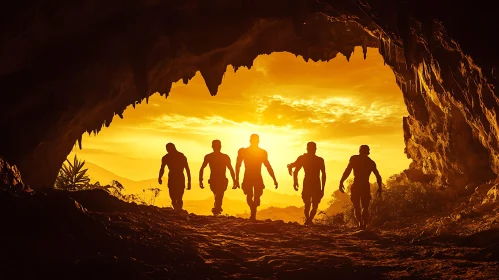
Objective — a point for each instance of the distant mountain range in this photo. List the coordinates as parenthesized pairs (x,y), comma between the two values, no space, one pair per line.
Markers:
(196,198)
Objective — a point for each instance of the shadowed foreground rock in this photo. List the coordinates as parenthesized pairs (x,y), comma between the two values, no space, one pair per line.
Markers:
(92,235)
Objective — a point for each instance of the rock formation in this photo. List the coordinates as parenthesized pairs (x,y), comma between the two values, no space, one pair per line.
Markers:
(10,179)
(92,235)
(67,69)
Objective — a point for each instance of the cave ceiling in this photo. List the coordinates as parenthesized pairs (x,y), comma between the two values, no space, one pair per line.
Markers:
(70,68)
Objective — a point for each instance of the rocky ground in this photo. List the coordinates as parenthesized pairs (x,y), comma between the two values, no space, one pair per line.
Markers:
(92,235)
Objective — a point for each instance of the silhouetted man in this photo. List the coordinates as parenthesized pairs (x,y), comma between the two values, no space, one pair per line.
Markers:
(313,186)
(218,181)
(176,162)
(252,185)
(362,167)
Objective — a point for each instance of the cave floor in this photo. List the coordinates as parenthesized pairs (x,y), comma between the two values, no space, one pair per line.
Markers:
(56,237)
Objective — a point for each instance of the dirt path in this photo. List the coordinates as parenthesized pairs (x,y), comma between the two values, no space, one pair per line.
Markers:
(103,238)
(238,248)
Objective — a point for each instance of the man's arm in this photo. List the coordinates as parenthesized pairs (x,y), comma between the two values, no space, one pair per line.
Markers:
(239,161)
(292,165)
(298,165)
(188,174)
(378,178)
(269,169)
(323,171)
(205,163)
(231,170)
(347,172)
(161,171)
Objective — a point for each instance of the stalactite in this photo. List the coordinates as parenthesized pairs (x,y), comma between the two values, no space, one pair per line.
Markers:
(129,82)
(364,47)
(79,141)
(213,72)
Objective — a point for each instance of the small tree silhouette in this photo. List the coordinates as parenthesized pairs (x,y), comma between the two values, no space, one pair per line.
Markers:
(72,176)
(155,193)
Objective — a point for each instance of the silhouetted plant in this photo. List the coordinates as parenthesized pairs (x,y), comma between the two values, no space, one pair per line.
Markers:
(401,199)
(132,198)
(155,193)
(114,188)
(72,176)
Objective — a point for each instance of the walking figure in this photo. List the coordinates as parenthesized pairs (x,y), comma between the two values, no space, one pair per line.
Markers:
(253,158)
(218,181)
(360,194)
(313,183)
(176,162)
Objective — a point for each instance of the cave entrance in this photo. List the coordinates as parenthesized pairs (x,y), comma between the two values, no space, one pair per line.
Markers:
(72,74)
(339,104)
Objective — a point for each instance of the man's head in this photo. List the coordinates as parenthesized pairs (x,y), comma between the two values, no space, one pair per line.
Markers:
(170,148)
(216,145)
(311,148)
(364,150)
(254,139)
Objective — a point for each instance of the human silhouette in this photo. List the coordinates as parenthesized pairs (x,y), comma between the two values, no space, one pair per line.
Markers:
(313,184)
(252,185)
(360,194)
(218,163)
(176,162)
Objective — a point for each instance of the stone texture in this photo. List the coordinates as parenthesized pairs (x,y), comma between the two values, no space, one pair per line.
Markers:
(492,195)
(69,69)
(92,235)
(10,178)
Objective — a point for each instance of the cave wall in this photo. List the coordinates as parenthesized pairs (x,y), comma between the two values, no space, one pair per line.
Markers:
(449,88)
(67,69)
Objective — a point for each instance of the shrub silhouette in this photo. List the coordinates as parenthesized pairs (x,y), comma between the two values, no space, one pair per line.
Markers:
(401,199)
(72,176)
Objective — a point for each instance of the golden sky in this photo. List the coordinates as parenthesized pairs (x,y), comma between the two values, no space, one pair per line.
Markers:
(287,101)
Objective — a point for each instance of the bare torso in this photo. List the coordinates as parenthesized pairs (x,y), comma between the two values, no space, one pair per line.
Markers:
(218,163)
(176,163)
(312,165)
(362,167)
(253,158)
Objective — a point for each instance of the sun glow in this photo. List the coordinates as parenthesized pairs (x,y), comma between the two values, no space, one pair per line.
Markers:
(339,105)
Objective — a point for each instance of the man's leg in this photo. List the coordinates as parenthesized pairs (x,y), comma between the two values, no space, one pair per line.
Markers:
(214,191)
(355,198)
(176,194)
(219,196)
(251,203)
(305,196)
(180,199)
(366,200)
(313,211)
(257,193)
(316,199)
(171,192)
(306,211)
(219,200)
(217,207)
(248,191)
(249,199)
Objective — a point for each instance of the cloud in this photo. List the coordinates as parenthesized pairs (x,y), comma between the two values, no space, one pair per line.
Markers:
(282,90)
(289,102)
(333,117)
